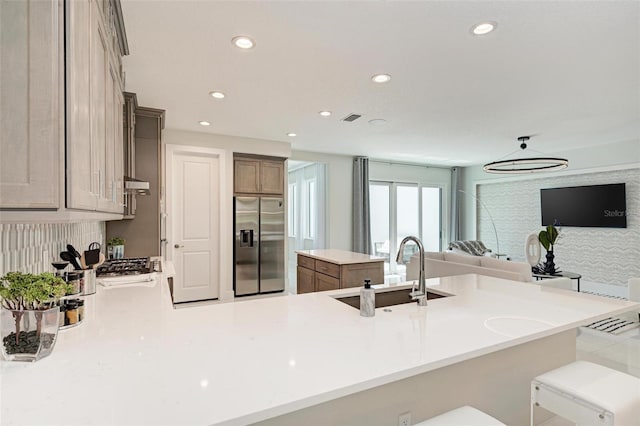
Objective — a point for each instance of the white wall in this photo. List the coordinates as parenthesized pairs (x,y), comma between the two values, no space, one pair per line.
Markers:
(339,190)
(230,145)
(585,160)
(601,255)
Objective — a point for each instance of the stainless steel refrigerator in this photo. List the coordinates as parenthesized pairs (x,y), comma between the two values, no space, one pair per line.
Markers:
(258,250)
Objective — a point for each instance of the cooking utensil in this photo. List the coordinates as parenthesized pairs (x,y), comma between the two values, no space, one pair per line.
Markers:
(102,259)
(65,255)
(92,256)
(75,253)
(60,266)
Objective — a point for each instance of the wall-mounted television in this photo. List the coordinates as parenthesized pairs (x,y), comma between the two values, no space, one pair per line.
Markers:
(589,206)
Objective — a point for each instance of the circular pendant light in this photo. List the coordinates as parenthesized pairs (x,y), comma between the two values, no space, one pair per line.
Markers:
(527,164)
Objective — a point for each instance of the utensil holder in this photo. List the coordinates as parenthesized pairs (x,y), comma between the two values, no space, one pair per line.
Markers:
(89,282)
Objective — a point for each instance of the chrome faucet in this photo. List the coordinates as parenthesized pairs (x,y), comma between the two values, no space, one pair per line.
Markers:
(421,294)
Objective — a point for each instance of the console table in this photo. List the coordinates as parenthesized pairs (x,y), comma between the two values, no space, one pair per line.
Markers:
(571,275)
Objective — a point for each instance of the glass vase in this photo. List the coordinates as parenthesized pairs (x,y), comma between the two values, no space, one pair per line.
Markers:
(28,335)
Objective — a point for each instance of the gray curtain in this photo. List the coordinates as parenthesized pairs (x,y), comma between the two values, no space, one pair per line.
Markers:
(361,222)
(454,222)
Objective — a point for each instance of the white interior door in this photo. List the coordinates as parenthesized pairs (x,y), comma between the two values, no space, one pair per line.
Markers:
(193,203)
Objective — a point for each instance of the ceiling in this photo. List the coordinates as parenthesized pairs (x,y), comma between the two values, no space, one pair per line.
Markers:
(565,71)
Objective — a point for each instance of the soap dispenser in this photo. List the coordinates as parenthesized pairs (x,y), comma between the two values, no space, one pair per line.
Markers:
(367,300)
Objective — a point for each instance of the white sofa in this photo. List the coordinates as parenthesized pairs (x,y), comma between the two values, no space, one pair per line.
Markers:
(445,264)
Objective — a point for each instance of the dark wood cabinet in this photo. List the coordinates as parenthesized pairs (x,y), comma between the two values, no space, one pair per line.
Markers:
(306,280)
(258,175)
(321,275)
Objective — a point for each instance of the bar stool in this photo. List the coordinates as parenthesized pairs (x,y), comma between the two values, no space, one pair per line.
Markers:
(588,393)
(462,416)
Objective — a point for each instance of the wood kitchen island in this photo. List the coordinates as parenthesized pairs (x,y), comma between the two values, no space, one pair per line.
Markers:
(330,269)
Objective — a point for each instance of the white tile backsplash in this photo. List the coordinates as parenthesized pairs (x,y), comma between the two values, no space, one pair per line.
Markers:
(32,247)
(600,255)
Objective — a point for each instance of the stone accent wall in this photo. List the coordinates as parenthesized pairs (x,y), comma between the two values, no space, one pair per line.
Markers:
(32,247)
(600,255)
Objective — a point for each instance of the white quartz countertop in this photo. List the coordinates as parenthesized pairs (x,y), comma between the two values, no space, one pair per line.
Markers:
(340,257)
(138,361)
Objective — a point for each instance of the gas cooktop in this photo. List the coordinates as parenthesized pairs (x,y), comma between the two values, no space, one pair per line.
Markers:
(127,266)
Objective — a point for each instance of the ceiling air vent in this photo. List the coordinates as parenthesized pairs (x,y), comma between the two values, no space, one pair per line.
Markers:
(351,117)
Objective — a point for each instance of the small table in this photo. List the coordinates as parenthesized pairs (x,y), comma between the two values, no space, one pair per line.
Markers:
(571,275)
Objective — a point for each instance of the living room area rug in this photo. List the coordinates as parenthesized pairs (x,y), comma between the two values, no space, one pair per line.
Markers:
(614,325)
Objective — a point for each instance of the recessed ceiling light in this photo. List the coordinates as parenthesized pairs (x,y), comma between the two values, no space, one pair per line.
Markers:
(292,135)
(325,113)
(381,78)
(484,28)
(377,122)
(217,95)
(204,123)
(243,42)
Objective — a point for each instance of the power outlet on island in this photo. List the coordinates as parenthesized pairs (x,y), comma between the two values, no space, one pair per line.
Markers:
(404,419)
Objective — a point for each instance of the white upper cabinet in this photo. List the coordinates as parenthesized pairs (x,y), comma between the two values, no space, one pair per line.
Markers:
(31,94)
(33,171)
(94,106)
(81,185)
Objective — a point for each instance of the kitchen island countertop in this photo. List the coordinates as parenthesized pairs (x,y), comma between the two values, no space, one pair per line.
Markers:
(137,360)
(340,257)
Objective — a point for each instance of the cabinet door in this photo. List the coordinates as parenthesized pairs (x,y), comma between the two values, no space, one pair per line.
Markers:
(246,176)
(119,151)
(306,283)
(272,177)
(325,282)
(30,111)
(99,72)
(353,275)
(81,185)
(108,200)
(113,169)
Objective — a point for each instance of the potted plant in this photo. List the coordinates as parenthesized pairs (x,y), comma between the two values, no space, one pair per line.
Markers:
(115,247)
(29,314)
(548,238)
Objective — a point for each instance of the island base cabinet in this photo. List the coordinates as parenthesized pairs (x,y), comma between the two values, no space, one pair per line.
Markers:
(498,383)
(306,283)
(325,282)
(354,275)
(320,275)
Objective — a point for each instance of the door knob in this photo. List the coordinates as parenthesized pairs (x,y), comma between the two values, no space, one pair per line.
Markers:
(177,246)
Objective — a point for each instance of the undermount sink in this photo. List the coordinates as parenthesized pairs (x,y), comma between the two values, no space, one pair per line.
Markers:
(388,298)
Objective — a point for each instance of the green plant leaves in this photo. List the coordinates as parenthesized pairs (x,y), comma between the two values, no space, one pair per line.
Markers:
(552,234)
(544,240)
(29,291)
(548,237)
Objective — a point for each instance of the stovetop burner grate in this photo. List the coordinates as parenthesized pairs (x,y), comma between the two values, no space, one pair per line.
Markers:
(127,266)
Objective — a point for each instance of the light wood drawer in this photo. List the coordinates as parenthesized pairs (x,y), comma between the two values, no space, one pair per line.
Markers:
(354,275)
(306,262)
(325,282)
(328,268)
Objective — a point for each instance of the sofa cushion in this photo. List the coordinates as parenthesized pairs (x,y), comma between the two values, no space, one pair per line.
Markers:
(437,255)
(462,258)
(521,268)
